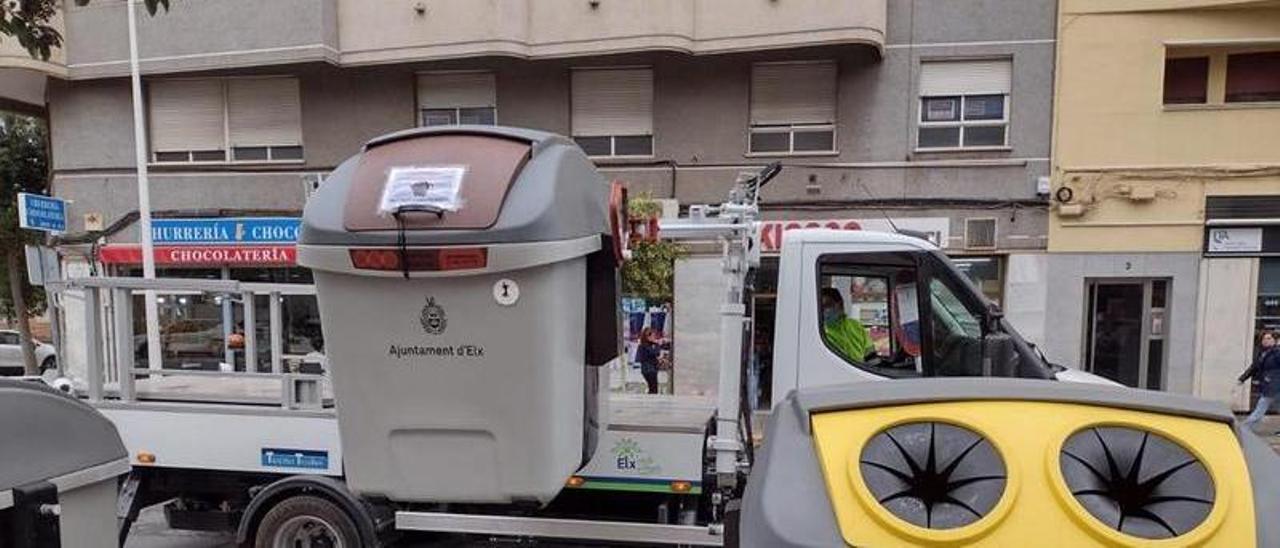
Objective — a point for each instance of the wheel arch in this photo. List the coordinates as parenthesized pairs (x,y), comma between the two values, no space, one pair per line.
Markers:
(329,488)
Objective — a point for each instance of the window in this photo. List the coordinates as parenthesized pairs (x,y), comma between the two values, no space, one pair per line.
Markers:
(7,338)
(987,273)
(964,105)
(793,108)
(612,111)
(1186,81)
(450,98)
(1253,77)
(194,327)
(226,120)
(868,317)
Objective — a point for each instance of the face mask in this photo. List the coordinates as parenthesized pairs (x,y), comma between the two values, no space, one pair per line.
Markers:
(830,315)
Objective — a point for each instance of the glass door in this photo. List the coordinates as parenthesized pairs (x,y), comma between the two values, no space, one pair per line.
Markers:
(1125,331)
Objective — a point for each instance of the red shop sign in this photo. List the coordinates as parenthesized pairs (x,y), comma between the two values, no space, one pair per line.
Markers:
(276,255)
(771,231)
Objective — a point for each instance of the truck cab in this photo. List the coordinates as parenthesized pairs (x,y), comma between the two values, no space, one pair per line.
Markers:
(920,316)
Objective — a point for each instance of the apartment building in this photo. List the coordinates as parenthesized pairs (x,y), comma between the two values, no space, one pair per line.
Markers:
(1166,223)
(934,115)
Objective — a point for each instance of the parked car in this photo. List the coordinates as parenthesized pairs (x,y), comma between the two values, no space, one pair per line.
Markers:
(11,354)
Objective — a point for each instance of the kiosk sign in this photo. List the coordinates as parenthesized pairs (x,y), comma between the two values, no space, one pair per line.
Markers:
(39,212)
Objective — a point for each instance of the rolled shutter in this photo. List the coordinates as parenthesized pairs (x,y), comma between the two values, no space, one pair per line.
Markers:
(966,78)
(186,115)
(793,93)
(264,112)
(457,90)
(610,102)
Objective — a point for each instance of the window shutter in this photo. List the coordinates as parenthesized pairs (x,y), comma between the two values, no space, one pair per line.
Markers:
(612,102)
(264,112)
(966,78)
(456,90)
(186,115)
(793,93)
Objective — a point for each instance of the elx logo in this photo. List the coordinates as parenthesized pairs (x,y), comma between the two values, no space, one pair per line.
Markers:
(629,456)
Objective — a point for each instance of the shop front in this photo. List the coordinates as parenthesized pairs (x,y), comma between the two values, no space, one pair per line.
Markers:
(1240,291)
(200,331)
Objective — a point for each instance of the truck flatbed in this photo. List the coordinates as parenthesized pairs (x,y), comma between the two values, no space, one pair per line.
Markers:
(653,413)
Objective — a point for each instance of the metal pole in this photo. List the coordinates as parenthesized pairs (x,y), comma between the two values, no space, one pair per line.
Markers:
(93,342)
(277,339)
(144,195)
(228,324)
(122,316)
(250,333)
(726,443)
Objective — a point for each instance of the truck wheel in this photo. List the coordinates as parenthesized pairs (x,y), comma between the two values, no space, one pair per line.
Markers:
(306,522)
(50,364)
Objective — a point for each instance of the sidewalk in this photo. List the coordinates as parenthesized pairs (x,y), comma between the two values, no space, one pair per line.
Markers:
(1270,427)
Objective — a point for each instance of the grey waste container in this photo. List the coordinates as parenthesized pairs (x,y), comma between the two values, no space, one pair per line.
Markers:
(456,271)
(56,453)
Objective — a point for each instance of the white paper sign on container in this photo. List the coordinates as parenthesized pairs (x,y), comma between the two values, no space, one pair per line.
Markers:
(424,188)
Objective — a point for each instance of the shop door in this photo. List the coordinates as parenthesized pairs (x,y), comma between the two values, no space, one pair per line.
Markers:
(1125,331)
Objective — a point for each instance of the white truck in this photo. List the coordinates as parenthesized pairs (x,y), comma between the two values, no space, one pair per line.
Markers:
(468,284)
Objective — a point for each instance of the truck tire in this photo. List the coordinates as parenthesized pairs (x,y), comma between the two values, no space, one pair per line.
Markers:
(306,520)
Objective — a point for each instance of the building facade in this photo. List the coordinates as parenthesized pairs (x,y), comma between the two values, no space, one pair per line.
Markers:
(934,114)
(1163,234)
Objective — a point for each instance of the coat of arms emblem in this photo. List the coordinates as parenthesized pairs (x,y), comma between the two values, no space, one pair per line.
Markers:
(433,319)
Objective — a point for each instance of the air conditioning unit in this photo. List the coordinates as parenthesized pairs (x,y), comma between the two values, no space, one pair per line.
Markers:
(980,233)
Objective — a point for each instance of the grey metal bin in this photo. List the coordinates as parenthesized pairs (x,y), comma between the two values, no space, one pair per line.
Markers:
(463,321)
(60,461)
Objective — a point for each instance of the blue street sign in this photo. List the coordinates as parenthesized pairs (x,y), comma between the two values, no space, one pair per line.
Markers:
(226,230)
(39,212)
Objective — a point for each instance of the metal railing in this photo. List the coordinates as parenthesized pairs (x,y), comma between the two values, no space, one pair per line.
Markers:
(114,296)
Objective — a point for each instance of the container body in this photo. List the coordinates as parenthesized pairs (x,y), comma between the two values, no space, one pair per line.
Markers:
(448,393)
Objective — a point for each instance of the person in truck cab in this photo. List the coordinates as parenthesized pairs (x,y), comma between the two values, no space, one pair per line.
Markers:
(845,335)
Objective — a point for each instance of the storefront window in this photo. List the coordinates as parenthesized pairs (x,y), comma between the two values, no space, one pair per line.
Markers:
(1268,314)
(987,273)
(199,331)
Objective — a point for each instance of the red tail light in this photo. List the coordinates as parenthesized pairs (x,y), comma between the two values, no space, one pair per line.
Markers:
(421,260)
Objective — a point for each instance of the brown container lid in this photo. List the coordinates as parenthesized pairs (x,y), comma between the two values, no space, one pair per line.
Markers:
(492,163)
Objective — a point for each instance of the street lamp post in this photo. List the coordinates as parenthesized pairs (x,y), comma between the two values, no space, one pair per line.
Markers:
(144,196)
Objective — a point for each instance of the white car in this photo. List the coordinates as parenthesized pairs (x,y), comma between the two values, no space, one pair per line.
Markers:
(11,354)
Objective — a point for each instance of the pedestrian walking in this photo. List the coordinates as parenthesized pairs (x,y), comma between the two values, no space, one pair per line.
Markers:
(1266,371)
(648,354)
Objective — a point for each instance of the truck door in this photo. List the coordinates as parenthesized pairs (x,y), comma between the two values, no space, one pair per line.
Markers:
(859,318)
(878,315)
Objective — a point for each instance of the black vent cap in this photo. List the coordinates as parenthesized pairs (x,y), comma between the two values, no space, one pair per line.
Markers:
(1137,482)
(933,475)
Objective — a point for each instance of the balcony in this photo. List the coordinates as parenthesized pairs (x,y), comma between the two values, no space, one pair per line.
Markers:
(200,36)
(22,77)
(565,28)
